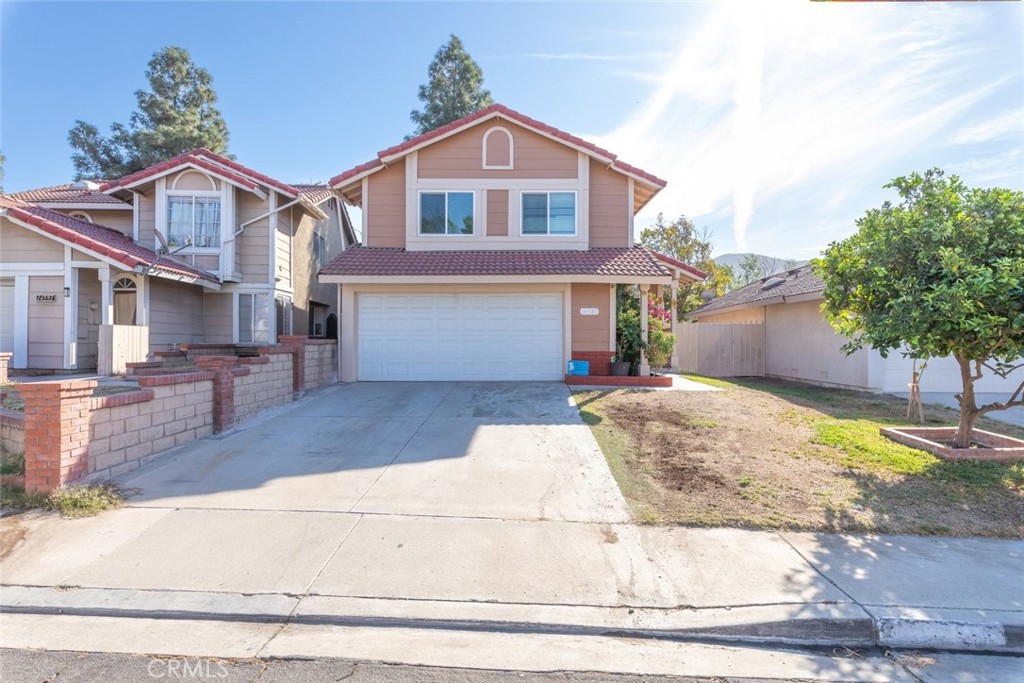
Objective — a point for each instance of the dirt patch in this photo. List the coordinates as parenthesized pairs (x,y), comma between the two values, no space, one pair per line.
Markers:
(776,455)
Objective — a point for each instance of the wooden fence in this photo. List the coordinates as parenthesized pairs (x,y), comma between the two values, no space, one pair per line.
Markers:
(722,349)
(121,344)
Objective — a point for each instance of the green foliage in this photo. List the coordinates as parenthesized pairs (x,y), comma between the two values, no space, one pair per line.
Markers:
(177,114)
(629,340)
(454,88)
(754,267)
(659,343)
(682,241)
(70,501)
(941,273)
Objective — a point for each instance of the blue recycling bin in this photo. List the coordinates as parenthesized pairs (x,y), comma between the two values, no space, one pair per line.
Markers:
(579,367)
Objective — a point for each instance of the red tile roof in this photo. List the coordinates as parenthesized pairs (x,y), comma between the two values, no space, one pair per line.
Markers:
(622,262)
(105,241)
(208,161)
(316,193)
(69,193)
(676,263)
(512,115)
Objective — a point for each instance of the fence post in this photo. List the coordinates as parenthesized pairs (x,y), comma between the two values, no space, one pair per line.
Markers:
(56,432)
(223,369)
(297,345)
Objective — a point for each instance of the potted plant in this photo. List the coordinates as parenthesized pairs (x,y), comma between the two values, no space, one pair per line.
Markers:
(629,341)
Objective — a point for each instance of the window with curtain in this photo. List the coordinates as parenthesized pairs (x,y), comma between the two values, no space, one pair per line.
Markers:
(195,219)
(446,213)
(549,213)
(253,318)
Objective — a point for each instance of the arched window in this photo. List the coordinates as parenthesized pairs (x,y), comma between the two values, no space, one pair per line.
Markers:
(81,215)
(498,149)
(126,297)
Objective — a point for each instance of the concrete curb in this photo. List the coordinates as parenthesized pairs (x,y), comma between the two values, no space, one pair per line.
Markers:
(811,625)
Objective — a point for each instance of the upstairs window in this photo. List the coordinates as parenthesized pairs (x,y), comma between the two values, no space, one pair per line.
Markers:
(549,213)
(193,220)
(319,251)
(446,213)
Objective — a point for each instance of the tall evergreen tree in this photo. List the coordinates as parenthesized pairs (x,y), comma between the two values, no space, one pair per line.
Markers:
(177,114)
(454,88)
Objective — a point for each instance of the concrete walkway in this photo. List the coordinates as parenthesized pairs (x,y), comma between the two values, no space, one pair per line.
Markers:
(462,525)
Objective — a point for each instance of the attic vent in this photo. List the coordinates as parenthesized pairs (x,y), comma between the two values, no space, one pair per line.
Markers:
(772,283)
(86,185)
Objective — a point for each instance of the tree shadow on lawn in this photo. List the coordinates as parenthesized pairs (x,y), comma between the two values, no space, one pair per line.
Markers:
(898,486)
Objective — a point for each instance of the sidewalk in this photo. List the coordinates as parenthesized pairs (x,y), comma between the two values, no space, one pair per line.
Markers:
(536,596)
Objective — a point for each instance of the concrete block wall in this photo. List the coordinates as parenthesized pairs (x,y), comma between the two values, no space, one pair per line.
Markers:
(12,432)
(269,383)
(126,430)
(321,363)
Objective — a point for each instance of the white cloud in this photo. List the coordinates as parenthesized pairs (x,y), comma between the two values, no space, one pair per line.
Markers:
(803,99)
(1006,125)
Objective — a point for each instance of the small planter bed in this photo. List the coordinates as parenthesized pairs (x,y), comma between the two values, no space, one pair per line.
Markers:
(987,446)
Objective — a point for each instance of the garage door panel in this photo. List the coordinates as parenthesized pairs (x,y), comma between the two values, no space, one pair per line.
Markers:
(460,336)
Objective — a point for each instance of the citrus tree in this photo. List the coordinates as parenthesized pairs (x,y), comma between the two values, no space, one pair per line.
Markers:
(940,273)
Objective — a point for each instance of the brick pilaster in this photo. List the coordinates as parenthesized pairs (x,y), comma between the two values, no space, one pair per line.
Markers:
(56,432)
(297,345)
(223,369)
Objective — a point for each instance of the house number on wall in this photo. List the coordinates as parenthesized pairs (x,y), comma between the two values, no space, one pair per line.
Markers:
(46,298)
(589,311)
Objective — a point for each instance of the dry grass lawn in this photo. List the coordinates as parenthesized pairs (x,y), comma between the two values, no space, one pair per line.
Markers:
(770,454)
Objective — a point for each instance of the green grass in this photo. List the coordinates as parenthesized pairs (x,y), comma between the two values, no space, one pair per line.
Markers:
(69,501)
(711,381)
(11,464)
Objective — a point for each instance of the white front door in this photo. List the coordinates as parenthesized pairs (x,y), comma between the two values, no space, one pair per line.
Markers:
(474,336)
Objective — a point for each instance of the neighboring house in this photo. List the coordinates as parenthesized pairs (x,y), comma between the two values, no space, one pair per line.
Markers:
(799,343)
(196,249)
(491,250)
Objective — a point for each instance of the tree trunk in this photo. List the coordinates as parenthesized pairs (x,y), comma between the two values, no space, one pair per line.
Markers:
(968,406)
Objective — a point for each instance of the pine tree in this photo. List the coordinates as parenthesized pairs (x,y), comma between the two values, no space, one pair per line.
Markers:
(177,114)
(454,89)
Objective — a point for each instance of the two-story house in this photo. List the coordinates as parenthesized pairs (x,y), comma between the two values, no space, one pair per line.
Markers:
(196,249)
(491,250)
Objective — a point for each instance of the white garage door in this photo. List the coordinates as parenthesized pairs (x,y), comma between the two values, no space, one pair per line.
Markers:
(6,315)
(460,336)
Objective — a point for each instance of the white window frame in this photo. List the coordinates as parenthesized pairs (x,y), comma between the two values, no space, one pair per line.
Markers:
(253,329)
(511,150)
(575,214)
(287,310)
(319,249)
(443,235)
(193,194)
(82,216)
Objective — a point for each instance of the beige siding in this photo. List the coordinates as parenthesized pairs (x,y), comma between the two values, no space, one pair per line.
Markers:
(252,247)
(147,219)
(801,345)
(89,318)
(176,314)
(307,287)
(609,207)
(754,314)
(218,314)
(111,218)
(18,245)
(193,180)
(283,254)
(497,213)
(384,208)
(46,324)
(591,332)
(461,156)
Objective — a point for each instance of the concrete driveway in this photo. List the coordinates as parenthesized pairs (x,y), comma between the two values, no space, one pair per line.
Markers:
(479,450)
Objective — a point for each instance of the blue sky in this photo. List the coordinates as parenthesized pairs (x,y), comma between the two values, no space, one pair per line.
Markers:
(775,123)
